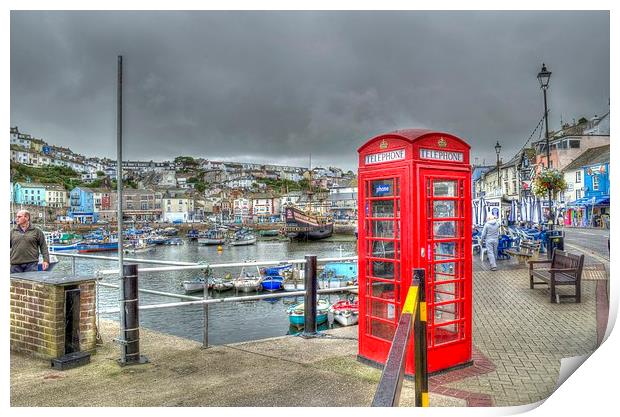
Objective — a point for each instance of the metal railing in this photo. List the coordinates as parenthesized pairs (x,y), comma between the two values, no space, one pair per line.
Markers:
(412,320)
(310,286)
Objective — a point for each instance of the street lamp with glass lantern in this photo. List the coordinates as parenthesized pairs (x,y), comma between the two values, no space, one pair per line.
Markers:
(543,77)
(498,148)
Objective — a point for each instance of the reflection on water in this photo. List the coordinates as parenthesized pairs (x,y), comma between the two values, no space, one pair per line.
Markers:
(228,322)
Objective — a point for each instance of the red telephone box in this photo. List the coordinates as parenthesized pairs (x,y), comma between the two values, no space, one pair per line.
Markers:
(415,212)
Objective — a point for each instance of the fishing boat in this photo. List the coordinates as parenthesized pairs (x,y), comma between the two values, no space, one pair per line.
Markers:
(211,237)
(196,285)
(296,313)
(306,225)
(345,312)
(338,275)
(105,245)
(58,241)
(247,282)
(50,266)
(244,239)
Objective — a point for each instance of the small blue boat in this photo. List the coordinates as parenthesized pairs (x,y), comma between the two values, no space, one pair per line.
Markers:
(296,313)
(273,283)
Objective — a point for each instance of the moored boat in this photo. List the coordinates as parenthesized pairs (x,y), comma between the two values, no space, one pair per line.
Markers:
(211,238)
(196,285)
(97,246)
(138,246)
(272,283)
(222,284)
(247,282)
(243,240)
(296,313)
(345,312)
(306,225)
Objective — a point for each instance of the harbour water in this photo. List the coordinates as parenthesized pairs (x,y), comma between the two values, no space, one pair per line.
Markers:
(228,322)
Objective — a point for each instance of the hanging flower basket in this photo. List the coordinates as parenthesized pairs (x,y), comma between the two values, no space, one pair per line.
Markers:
(549,180)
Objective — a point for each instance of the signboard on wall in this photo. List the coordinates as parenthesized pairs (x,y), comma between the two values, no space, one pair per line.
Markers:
(494,207)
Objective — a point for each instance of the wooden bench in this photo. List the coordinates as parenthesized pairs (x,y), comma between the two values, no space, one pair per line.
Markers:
(564,269)
(527,250)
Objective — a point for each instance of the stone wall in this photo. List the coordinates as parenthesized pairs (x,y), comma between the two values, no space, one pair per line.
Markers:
(38,318)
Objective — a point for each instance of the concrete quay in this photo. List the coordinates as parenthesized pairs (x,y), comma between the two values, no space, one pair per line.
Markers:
(519,339)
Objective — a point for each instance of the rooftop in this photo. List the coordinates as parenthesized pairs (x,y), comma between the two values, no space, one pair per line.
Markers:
(599,155)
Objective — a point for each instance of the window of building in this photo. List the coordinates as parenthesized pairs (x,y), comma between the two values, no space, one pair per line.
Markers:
(574,144)
(578,194)
(578,177)
(595,183)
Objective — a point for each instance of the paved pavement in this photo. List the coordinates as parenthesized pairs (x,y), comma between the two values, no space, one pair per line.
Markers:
(519,339)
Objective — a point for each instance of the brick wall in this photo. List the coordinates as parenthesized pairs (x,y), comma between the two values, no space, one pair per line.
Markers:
(38,318)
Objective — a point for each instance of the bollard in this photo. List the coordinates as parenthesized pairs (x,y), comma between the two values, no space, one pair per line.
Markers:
(131,337)
(310,297)
(419,340)
(205,311)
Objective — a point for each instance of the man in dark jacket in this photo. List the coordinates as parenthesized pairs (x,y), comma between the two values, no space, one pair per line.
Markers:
(26,242)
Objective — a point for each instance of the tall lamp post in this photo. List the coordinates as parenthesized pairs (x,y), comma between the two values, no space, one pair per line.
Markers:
(543,77)
(498,148)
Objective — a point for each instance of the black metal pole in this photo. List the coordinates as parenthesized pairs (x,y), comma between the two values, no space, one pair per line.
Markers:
(419,339)
(131,326)
(119,212)
(551,216)
(499,181)
(310,298)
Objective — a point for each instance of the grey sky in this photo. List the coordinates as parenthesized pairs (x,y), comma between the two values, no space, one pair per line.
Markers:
(277,86)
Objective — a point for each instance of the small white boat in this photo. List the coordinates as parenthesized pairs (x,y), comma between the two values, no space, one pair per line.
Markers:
(243,240)
(345,312)
(247,282)
(196,285)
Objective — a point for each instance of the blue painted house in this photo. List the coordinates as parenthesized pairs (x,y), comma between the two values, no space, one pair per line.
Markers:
(29,193)
(593,208)
(82,205)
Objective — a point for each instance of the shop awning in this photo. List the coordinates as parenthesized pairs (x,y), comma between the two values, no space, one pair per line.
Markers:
(601,201)
(589,201)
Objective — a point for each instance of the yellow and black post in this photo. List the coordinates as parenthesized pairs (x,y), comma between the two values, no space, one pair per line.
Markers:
(419,337)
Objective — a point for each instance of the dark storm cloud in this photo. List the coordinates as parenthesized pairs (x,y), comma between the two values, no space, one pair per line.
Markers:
(277,86)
